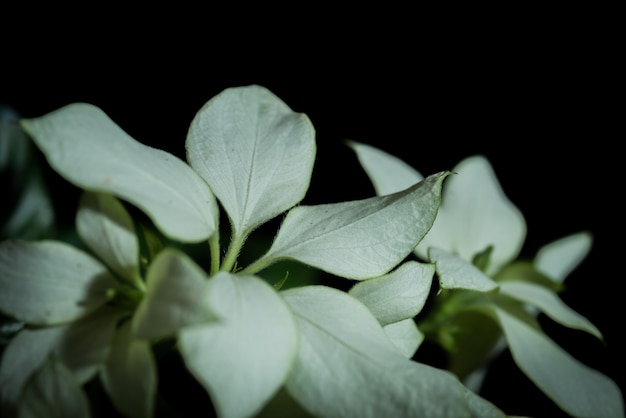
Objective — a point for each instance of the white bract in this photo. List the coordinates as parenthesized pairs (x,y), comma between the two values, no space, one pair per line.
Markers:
(474,243)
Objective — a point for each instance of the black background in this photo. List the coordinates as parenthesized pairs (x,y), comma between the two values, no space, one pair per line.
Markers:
(538,95)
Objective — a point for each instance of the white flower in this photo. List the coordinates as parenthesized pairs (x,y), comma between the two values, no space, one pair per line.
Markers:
(474,243)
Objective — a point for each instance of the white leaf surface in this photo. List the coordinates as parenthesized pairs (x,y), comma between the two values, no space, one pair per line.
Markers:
(106,227)
(457,273)
(558,258)
(176,296)
(130,375)
(347,366)
(50,282)
(81,346)
(576,388)
(398,295)
(475,214)
(255,153)
(243,358)
(359,239)
(405,336)
(53,392)
(91,151)
(388,173)
(549,303)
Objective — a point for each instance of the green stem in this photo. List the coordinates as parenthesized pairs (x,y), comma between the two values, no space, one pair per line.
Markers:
(259,265)
(214,248)
(233,252)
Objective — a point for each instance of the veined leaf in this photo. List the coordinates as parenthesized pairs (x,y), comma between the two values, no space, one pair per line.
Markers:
(359,239)
(574,387)
(549,303)
(346,365)
(87,148)
(176,296)
(129,375)
(53,392)
(81,345)
(405,336)
(50,282)
(243,358)
(457,273)
(106,227)
(255,153)
(398,295)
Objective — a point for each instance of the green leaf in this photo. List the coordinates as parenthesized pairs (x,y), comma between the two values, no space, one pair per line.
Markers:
(53,392)
(176,296)
(388,173)
(255,153)
(525,271)
(82,346)
(398,295)
(558,258)
(130,375)
(457,273)
(549,303)
(347,366)
(405,336)
(87,148)
(106,227)
(359,239)
(577,389)
(242,359)
(49,282)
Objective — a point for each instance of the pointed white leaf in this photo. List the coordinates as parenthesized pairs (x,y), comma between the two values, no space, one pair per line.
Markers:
(81,346)
(474,214)
(457,273)
(346,365)
(549,303)
(53,392)
(130,375)
(398,295)
(388,173)
(50,282)
(558,258)
(87,148)
(106,227)
(255,153)
(574,387)
(176,296)
(243,358)
(359,239)
(405,336)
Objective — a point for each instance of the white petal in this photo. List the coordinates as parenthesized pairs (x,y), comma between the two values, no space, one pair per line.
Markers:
(398,295)
(549,303)
(456,273)
(242,359)
(50,282)
(176,296)
(106,227)
(54,393)
(255,153)
(87,148)
(558,258)
(474,214)
(388,173)
(576,388)
(130,375)
(359,239)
